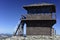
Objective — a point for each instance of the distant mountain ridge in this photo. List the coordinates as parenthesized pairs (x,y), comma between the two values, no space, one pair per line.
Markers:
(5,35)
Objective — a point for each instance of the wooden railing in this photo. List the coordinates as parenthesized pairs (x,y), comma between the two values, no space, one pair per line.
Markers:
(38,16)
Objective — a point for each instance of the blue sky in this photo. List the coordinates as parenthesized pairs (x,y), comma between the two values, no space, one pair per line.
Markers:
(11,11)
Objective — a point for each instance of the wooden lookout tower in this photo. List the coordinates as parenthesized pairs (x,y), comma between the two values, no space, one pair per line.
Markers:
(39,19)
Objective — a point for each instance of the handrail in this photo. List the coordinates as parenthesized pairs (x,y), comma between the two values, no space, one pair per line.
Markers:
(20,25)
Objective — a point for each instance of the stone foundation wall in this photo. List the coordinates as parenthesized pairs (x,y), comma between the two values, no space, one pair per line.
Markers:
(38,31)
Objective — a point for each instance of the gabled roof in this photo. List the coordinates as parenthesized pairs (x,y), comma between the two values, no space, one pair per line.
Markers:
(42,5)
